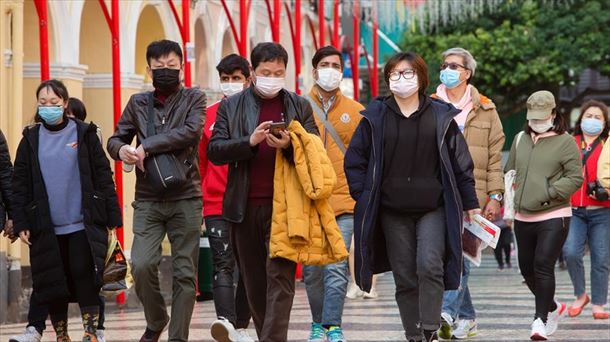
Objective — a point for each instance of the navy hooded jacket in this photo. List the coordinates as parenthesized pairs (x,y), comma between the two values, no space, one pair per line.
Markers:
(363,168)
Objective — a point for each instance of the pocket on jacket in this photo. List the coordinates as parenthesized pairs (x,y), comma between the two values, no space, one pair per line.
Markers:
(98,209)
(32,215)
(478,133)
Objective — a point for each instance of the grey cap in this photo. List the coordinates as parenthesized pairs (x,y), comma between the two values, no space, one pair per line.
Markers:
(540,105)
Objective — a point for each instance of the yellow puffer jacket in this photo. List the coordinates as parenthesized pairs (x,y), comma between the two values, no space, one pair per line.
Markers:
(303,227)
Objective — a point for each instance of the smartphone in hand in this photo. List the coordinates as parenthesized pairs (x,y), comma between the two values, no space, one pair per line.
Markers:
(276,127)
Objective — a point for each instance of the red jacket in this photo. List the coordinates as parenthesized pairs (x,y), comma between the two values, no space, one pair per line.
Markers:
(213,177)
(580,197)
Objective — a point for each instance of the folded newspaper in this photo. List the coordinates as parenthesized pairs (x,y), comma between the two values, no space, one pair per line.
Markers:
(477,235)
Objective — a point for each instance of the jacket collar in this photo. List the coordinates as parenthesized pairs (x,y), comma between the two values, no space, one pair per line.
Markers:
(31,132)
(314,93)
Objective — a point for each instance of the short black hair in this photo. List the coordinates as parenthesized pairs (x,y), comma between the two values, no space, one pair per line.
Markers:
(229,64)
(161,48)
(268,52)
(602,106)
(76,107)
(325,52)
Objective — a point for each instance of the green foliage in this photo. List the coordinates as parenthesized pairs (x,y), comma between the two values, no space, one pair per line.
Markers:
(524,46)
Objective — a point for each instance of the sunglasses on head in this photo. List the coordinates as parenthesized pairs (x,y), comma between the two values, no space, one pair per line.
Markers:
(452,66)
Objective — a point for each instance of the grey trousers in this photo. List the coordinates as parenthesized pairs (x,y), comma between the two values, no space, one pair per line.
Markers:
(181,221)
(416,249)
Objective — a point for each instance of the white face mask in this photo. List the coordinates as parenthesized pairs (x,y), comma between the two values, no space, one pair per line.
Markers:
(541,126)
(229,89)
(329,79)
(269,86)
(404,88)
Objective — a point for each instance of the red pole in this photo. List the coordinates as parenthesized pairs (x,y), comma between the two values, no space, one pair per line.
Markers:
(336,25)
(321,22)
(243,28)
(116,99)
(43,29)
(374,74)
(277,9)
(297,44)
(186,37)
(356,59)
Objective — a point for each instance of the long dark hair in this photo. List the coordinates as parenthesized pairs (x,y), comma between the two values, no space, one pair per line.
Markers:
(58,88)
(560,125)
(602,106)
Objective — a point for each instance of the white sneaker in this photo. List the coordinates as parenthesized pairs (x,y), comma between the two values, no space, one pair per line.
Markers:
(99,333)
(466,328)
(244,336)
(538,331)
(553,320)
(354,291)
(29,335)
(223,331)
(371,295)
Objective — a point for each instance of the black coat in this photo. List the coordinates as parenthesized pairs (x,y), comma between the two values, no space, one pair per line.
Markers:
(31,209)
(364,170)
(236,119)
(6,174)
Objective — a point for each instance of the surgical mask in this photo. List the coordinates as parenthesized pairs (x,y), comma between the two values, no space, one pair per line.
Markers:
(166,80)
(269,86)
(50,114)
(540,126)
(329,79)
(229,89)
(592,126)
(404,88)
(450,78)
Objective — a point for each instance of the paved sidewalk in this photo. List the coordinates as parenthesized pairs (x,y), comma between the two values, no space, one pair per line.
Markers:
(504,306)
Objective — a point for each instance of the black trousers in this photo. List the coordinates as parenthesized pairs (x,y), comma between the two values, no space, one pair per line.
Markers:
(80,272)
(503,247)
(269,282)
(38,313)
(539,246)
(229,303)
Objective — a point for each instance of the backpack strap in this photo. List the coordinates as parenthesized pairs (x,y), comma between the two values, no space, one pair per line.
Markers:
(327,125)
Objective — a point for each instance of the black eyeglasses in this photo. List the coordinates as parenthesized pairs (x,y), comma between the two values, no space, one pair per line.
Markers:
(452,66)
(407,74)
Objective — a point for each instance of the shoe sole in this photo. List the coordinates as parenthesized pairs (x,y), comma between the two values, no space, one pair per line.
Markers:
(472,334)
(220,333)
(537,337)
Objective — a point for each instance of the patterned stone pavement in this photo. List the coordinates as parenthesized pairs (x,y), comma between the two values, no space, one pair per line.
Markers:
(504,308)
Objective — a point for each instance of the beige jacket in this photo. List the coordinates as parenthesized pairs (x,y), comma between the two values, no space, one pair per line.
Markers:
(603,166)
(485,138)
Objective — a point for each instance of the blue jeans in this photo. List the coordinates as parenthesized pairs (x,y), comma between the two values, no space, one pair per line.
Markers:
(592,227)
(327,285)
(458,303)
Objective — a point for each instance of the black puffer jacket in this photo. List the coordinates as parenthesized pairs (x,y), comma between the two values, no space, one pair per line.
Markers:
(31,209)
(236,119)
(6,174)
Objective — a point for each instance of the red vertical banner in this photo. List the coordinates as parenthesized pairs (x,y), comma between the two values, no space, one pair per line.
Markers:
(336,17)
(243,28)
(277,8)
(321,23)
(356,52)
(374,71)
(43,35)
(297,44)
(186,39)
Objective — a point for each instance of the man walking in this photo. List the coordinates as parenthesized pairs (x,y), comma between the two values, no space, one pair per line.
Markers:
(168,124)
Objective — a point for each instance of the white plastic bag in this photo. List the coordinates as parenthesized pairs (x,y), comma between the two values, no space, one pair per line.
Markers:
(509,195)
(477,235)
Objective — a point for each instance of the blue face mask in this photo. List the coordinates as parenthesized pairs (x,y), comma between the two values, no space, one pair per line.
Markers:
(50,114)
(591,126)
(450,78)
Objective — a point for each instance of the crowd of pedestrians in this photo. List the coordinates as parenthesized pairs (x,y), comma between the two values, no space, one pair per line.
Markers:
(277,179)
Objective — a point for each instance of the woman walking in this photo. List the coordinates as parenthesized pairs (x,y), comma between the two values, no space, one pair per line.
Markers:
(549,171)
(64,201)
(410,172)
(590,222)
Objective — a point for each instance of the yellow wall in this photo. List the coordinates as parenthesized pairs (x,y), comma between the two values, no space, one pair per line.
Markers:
(31,47)
(149,30)
(95,40)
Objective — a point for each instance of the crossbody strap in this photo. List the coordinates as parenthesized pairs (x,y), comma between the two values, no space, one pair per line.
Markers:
(327,125)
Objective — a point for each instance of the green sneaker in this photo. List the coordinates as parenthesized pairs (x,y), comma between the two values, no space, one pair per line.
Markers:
(335,334)
(317,333)
(445,332)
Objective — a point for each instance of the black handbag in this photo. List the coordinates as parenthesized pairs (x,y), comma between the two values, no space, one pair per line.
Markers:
(164,172)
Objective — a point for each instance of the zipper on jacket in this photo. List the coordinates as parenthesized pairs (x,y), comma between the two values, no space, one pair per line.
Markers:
(160,175)
(527,169)
(370,197)
(163,120)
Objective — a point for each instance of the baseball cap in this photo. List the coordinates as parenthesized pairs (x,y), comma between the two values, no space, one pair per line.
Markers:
(540,105)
